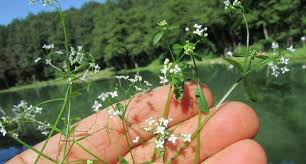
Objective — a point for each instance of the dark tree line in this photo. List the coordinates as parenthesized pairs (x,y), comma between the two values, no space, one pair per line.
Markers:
(120,32)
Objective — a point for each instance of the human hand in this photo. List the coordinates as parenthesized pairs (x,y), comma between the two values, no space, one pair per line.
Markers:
(226,138)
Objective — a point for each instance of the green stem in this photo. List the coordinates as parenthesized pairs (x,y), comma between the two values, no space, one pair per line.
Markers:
(197,151)
(68,124)
(127,140)
(209,116)
(165,114)
(32,148)
(56,122)
(247,29)
(171,53)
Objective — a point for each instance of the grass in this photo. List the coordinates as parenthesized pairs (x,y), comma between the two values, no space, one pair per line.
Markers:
(299,56)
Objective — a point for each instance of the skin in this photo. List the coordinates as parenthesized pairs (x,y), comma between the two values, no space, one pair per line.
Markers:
(226,138)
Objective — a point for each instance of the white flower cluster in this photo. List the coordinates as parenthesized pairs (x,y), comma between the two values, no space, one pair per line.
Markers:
(44,129)
(229,5)
(199,30)
(163,23)
(159,127)
(43,2)
(275,46)
(291,49)
(2,129)
(137,79)
(48,46)
(76,56)
(23,110)
(103,96)
(303,38)
(304,66)
(279,67)
(169,69)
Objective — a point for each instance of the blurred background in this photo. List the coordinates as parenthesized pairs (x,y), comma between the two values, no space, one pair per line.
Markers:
(119,33)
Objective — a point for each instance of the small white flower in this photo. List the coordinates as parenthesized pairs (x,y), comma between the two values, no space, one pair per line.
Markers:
(96,106)
(291,49)
(186,137)
(284,60)
(37,60)
(304,66)
(303,38)
(38,110)
(113,94)
(198,32)
(164,122)
(227,4)
(160,130)
(172,138)
(284,70)
(159,143)
(48,47)
(103,96)
(166,61)
(197,26)
(275,46)
(163,80)
(48,61)
(187,29)
(136,140)
(2,129)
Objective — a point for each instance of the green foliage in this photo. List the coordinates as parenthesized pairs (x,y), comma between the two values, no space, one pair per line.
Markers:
(120,33)
(201,101)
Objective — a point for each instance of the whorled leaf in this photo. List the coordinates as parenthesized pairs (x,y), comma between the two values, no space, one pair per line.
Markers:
(250,90)
(201,100)
(158,37)
(235,64)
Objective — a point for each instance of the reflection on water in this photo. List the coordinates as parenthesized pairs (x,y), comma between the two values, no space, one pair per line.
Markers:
(281,109)
(6,154)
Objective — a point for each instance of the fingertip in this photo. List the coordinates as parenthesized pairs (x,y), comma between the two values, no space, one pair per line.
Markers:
(241,152)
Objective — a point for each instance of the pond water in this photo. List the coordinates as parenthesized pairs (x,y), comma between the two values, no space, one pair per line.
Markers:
(281,109)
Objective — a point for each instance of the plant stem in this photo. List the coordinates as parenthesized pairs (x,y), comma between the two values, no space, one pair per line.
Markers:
(171,53)
(165,114)
(56,122)
(247,29)
(208,117)
(126,134)
(68,125)
(32,148)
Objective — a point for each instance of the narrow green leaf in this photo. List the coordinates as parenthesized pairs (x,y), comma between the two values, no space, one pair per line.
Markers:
(177,49)
(235,64)
(174,27)
(262,57)
(158,37)
(201,100)
(249,88)
(122,160)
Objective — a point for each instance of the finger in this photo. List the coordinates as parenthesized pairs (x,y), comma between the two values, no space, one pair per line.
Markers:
(241,152)
(105,136)
(233,122)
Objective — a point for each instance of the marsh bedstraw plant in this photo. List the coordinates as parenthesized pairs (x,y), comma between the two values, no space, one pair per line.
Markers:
(78,66)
